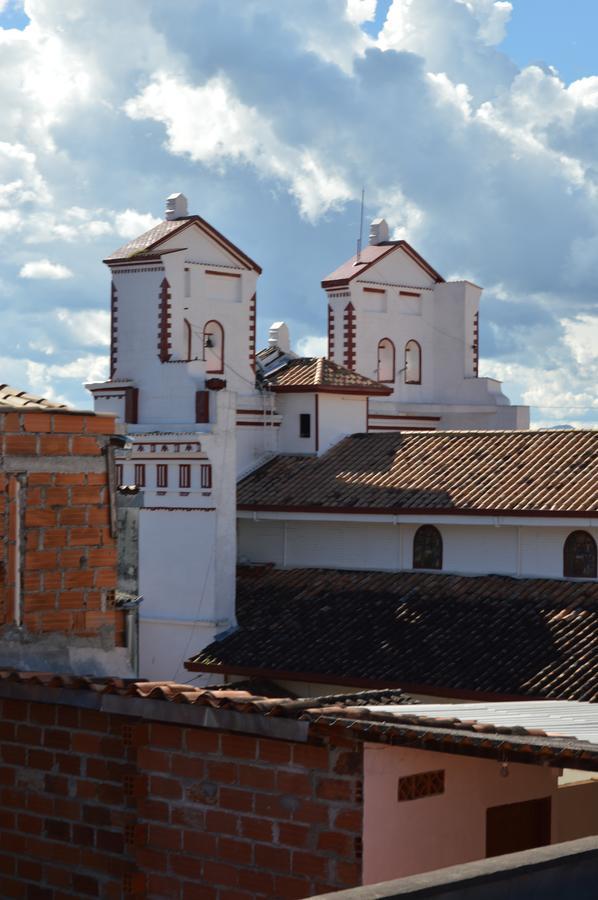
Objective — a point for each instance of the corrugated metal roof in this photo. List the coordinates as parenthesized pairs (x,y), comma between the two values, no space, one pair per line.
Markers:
(551,718)
(511,472)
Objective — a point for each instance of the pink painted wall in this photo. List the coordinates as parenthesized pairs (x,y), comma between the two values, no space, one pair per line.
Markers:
(421,835)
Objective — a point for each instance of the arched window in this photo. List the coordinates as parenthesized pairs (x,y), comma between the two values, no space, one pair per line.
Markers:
(213,347)
(579,555)
(413,363)
(386,360)
(427,548)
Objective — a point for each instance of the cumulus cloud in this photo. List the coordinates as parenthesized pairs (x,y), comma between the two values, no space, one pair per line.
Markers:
(44,268)
(91,327)
(312,345)
(271,122)
(211,125)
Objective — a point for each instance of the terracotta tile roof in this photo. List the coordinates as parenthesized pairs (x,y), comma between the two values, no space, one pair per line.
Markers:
(319,373)
(369,255)
(425,633)
(491,472)
(13,398)
(216,697)
(142,245)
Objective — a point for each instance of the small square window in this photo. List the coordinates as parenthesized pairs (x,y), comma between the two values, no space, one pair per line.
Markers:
(305,425)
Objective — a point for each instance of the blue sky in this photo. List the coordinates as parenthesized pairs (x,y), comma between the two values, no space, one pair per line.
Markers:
(471,123)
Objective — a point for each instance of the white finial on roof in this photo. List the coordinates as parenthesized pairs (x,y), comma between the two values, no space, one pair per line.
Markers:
(379,232)
(278,336)
(176,207)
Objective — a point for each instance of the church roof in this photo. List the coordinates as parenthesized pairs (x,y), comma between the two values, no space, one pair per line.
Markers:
(148,241)
(425,633)
(459,472)
(306,374)
(368,257)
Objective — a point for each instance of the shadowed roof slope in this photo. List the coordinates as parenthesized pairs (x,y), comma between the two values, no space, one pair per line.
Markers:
(488,472)
(421,632)
(317,374)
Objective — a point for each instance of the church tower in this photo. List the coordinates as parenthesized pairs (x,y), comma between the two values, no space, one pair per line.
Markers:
(392,317)
(182,353)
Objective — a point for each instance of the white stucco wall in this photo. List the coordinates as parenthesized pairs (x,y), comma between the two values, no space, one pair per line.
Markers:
(338,416)
(408,837)
(291,406)
(528,550)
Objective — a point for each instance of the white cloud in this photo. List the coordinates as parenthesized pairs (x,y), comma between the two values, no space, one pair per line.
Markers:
(130,223)
(312,345)
(209,124)
(493,17)
(44,268)
(91,327)
(359,11)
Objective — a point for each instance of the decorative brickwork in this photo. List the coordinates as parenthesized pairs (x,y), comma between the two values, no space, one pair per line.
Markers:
(476,344)
(58,559)
(330,332)
(164,323)
(252,314)
(113,330)
(110,806)
(349,340)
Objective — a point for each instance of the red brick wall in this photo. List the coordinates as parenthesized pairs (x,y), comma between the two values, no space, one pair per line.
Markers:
(101,805)
(66,556)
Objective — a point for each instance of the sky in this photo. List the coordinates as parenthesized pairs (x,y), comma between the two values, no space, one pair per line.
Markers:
(471,124)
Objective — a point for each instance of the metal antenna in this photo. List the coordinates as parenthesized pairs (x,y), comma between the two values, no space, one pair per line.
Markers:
(359,239)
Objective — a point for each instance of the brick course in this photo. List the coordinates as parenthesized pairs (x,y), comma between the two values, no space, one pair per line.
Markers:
(60,557)
(106,805)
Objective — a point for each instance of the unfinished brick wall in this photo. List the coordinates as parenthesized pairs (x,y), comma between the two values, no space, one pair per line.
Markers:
(58,557)
(104,805)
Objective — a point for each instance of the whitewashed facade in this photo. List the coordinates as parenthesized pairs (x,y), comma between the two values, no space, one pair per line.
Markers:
(183,381)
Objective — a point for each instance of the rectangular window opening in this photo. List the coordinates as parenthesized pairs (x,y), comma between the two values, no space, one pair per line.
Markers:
(140,474)
(185,476)
(206,475)
(162,475)
(305,425)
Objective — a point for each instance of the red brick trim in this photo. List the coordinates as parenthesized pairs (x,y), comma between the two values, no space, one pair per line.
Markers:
(349,336)
(413,418)
(223,274)
(113,329)
(164,323)
(131,405)
(252,326)
(330,332)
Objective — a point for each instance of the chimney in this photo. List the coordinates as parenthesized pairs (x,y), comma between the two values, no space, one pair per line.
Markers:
(278,336)
(379,233)
(176,207)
